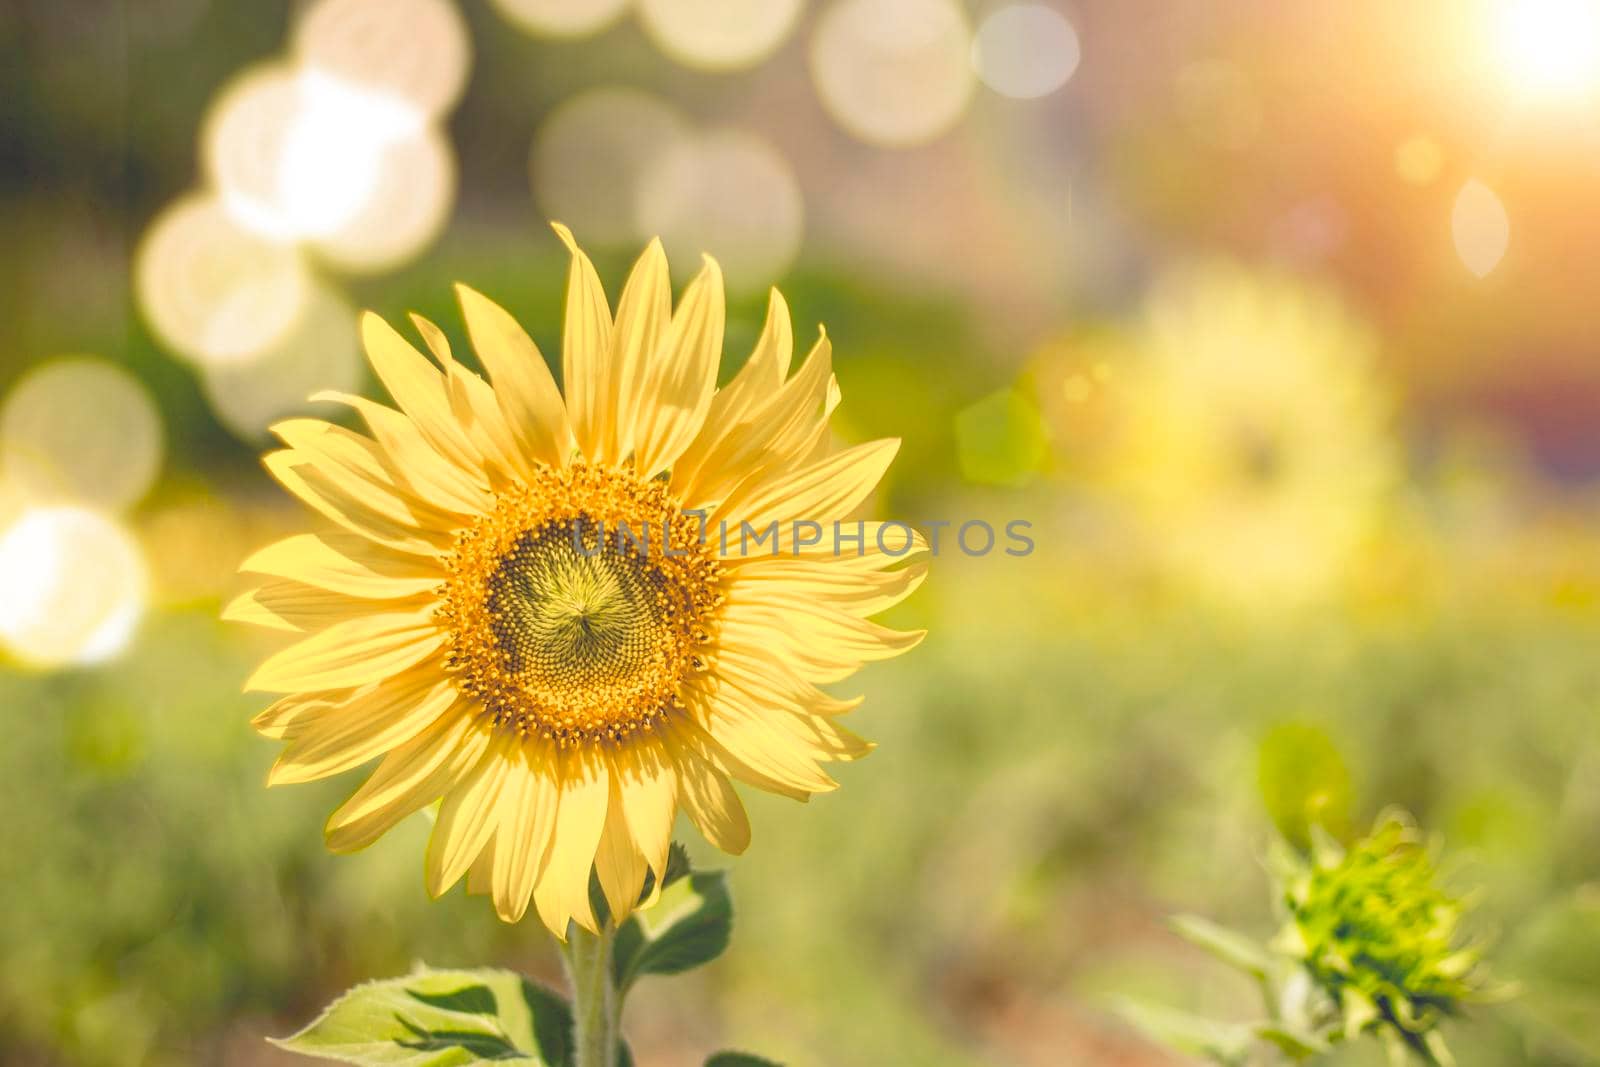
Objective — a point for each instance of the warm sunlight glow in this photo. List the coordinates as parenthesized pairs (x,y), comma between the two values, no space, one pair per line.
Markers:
(416,51)
(72,587)
(300,154)
(1548,49)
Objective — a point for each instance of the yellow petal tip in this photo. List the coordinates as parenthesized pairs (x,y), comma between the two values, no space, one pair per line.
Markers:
(566,237)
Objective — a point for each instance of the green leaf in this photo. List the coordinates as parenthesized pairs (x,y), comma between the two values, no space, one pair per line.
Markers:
(1224,1043)
(441,1019)
(689,925)
(677,867)
(1232,948)
(739,1059)
(1294,1044)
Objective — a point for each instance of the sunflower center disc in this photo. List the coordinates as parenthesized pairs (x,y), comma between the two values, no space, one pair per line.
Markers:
(576,608)
(572,609)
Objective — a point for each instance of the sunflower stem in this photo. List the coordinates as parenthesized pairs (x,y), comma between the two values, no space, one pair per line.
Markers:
(595,1005)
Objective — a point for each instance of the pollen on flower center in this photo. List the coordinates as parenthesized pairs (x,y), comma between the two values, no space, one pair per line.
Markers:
(578,605)
(564,616)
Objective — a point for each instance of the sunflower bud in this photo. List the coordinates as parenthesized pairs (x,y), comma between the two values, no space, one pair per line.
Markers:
(1379,939)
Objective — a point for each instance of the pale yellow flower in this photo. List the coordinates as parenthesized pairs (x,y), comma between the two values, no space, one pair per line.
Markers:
(1253,439)
(481,622)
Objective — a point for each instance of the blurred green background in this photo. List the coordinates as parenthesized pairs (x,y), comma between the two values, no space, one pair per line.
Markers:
(1275,320)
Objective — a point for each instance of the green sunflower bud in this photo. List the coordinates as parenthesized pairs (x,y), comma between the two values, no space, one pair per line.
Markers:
(1380,939)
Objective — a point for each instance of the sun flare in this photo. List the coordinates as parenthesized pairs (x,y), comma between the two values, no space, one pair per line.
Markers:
(1548,49)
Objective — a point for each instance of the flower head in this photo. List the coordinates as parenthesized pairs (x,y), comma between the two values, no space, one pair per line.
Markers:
(1251,439)
(568,614)
(1379,939)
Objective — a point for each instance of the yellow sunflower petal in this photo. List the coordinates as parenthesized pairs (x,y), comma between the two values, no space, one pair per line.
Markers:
(357,466)
(822,492)
(618,862)
(710,802)
(649,789)
(643,315)
(473,403)
(418,388)
(777,429)
(588,362)
(344,564)
(523,387)
(522,845)
(289,716)
(299,608)
(823,646)
(435,339)
(816,736)
(411,461)
(681,376)
(775,682)
(250,609)
(480,876)
(563,890)
(366,725)
(757,744)
(468,818)
(409,778)
(350,654)
(736,427)
(694,738)
(302,478)
(763,373)
(778,584)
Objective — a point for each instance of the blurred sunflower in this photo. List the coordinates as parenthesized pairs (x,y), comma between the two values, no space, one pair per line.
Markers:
(1252,439)
(525,615)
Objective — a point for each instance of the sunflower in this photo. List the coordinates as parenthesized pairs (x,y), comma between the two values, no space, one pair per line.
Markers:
(564,616)
(1380,940)
(1253,442)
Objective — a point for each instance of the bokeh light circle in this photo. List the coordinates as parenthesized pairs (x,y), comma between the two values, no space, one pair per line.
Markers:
(296,155)
(561,18)
(408,207)
(213,291)
(589,157)
(72,587)
(322,352)
(417,51)
(1481,228)
(717,35)
(1419,160)
(81,430)
(731,194)
(1025,50)
(893,72)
